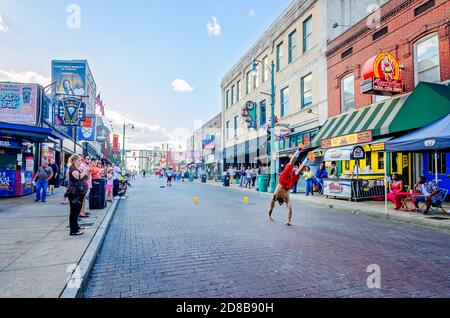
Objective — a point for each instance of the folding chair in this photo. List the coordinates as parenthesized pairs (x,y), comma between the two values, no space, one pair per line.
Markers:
(434,210)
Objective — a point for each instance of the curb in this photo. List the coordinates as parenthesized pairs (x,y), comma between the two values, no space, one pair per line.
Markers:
(77,281)
(439,225)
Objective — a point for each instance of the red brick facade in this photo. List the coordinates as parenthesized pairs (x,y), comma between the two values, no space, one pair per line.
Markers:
(404,30)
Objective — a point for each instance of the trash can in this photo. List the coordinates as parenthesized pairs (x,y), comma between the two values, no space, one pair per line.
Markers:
(263,183)
(226,181)
(97,196)
(204,178)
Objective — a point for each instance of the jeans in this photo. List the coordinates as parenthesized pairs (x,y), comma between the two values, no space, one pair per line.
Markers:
(309,186)
(41,185)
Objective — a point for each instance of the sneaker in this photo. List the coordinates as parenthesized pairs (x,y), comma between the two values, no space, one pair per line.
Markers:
(36,200)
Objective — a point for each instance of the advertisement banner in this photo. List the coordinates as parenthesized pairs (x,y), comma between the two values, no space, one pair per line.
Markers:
(87,129)
(337,188)
(27,182)
(352,139)
(102,134)
(7,182)
(115,144)
(71,111)
(69,78)
(209,142)
(18,103)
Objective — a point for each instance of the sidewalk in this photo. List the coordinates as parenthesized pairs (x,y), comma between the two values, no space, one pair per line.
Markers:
(368,208)
(37,255)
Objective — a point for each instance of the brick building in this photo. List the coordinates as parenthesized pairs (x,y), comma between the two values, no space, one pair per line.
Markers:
(416,33)
(404,26)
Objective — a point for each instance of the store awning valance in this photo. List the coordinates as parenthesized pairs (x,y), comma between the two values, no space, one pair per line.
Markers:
(427,103)
(345,153)
(29,132)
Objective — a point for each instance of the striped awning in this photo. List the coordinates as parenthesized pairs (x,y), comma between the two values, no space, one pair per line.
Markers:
(377,117)
(426,104)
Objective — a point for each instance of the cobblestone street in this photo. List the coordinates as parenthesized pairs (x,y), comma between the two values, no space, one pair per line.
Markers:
(160,244)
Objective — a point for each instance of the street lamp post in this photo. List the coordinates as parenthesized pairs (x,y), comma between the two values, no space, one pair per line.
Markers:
(125,126)
(272,184)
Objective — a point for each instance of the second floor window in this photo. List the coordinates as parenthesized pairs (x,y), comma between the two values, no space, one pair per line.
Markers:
(426,60)
(228,130)
(292,47)
(236,122)
(280,55)
(227,99)
(285,102)
(307,34)
(262,113)
(306,90)
(247,83)
(265,74)
(233,94)
(239,90)
(348,93)
(256,80)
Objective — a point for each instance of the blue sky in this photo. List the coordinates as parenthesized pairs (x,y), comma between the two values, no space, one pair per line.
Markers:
(136,49)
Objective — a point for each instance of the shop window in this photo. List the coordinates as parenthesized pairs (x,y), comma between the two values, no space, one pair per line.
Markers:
(394,162)
(380,160)
(426,60)
(441,163)
(348,93)
(369,160)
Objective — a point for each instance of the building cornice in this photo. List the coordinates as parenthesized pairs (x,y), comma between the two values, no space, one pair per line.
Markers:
(267,40)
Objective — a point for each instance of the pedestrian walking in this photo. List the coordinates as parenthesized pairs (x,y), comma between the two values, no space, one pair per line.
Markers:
(254,175)
(287,179)
(169,175)
(110,184)
(41,178)
(52,182)
(76,190)
(248,178)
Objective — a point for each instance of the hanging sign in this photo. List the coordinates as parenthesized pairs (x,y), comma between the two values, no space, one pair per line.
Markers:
(249,114)
(381,75)
(71,111)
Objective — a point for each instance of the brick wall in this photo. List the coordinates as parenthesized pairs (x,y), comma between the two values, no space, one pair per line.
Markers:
(404,29)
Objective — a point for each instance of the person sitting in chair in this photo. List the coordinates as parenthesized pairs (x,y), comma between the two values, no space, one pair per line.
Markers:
(395,187)
(431,194)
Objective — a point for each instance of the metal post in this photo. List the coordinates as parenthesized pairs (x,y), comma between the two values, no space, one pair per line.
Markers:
(123,147)
(272,184)
(436,166)
(386,186)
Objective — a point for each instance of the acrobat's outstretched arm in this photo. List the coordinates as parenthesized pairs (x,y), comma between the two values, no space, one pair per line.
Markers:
(297,155)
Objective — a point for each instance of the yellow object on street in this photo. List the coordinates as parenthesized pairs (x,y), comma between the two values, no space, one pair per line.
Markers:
(195,200)
(246,200)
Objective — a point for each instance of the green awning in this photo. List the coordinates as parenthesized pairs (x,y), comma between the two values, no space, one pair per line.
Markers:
(426,104)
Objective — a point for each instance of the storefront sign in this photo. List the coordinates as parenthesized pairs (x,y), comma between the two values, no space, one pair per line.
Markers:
(18,103)
(358,153)
(377,147)
(381,75)
(7,182)
(282,131)
(352,139)
(337,188)
(102,134)
(71,111)
(9,144)
(87,129)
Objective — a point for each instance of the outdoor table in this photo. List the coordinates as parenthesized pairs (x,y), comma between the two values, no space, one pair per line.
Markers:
(408,198)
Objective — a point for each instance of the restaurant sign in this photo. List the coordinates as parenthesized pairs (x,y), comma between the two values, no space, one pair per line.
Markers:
(381,76)
(352,139)
(337,188)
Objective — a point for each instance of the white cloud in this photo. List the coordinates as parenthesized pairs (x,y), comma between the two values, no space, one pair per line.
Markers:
(25,77)
(3,27)
(182,86)
(144,135)
(252,12)
(214,29)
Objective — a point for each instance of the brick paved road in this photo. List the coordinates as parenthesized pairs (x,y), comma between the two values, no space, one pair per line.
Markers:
(162,245)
